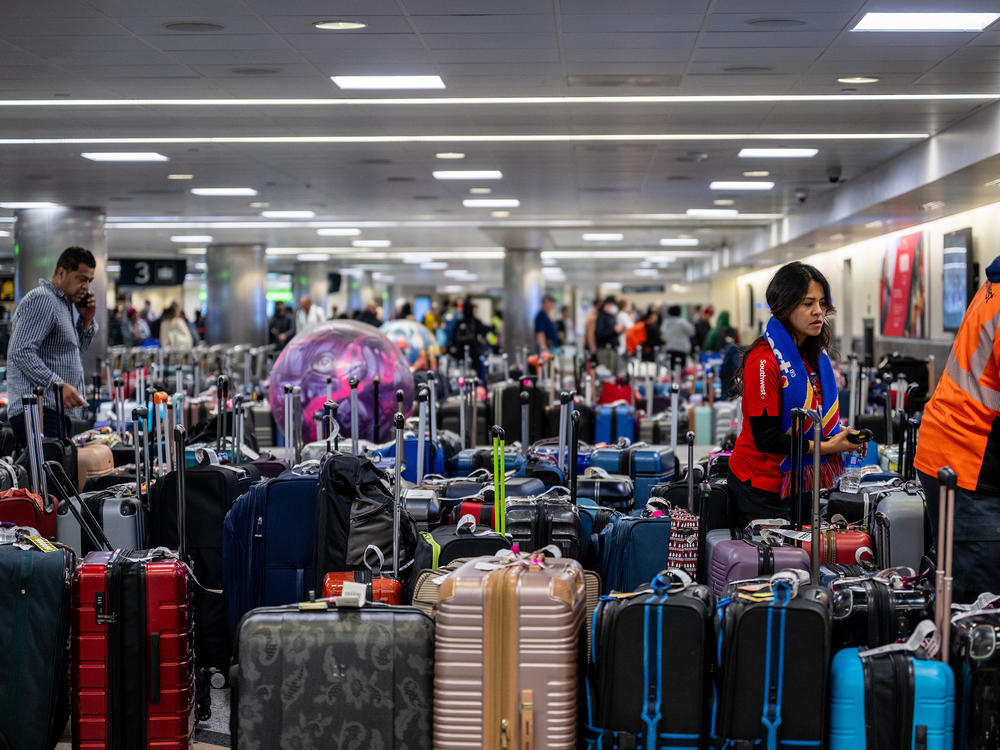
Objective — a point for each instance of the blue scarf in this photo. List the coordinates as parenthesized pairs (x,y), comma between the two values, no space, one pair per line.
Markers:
(797,393)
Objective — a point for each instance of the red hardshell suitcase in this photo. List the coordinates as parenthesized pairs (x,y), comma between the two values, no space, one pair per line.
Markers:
(22,507)
(843,545)
(615,392)
(132,653)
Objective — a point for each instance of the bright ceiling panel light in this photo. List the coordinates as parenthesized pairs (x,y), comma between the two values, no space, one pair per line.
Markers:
(449,155)
(480,191)
(499,214)
(288,214)
(4,233)
(712,213)
(417,259)
(778,153)
(741,185)
(857,79)
(925,21)
(224,191)
(452,288)
(467,174)
(388,82)
(602,236)
(455,273)
(191,238)
(649,272)
(312,257)
(371,243)
(180,176)
(338,232)
(339,25)
(123,156)
(192,251)
(434,265)
(757,173)
(379,276)
(723,202)
(491,203)
(259,204)
(28,204)
(679,241)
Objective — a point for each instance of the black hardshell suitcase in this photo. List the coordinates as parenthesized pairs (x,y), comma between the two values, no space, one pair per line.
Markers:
(322,675)
(34,659)
(535,522)
(869,613)
(211,491)
(505,407)
(650,666)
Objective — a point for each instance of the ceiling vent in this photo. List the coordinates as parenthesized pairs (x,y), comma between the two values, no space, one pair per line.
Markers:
(623,81)
(193,27)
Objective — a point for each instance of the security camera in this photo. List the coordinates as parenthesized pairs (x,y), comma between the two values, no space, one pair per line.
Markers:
(833,173)
(801,195)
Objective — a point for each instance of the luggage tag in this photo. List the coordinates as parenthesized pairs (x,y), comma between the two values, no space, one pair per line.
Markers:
(41,543)
(354,595)
(986,601)
(925,643)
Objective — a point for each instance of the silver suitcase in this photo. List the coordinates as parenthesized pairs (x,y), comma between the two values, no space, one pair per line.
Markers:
(121,516)
(898,527)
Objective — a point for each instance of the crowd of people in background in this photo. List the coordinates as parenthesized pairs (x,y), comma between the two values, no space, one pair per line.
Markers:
(171,328)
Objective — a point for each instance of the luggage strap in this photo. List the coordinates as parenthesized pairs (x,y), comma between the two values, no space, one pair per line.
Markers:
(888,699)
(774,661)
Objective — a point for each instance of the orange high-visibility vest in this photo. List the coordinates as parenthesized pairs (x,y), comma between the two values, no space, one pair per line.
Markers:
(961,422)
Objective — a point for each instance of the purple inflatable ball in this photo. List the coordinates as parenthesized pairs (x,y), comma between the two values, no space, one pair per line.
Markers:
(342,349)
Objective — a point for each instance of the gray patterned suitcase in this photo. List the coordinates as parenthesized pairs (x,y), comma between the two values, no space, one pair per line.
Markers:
(315,675)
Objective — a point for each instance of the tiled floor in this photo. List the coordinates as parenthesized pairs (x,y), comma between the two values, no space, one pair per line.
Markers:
(210,735)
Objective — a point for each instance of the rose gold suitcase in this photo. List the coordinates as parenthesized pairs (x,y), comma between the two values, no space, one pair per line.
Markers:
(507,648)
(93,460)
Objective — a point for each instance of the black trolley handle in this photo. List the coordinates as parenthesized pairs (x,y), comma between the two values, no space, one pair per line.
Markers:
(84,516)
(180,435)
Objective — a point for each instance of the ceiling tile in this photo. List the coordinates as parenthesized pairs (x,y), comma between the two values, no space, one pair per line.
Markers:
(754,55)
(630,68)
(226,71)
(101,72)
(633,6)
(809,22)
(47,9)
(231,24)
(155,8)
(641,54)
(328,8)
(354,41)
(334,57)
(595,23)
(477,7)
(614,41)
(483,24)
(185,42)
(48,44)
(528,40)
(238,57)
(303,25)
(766,38)
(496,55)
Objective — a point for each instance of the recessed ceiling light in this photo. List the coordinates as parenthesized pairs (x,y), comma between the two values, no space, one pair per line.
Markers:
(259,204)
(778,153)
(192,251)
(491,203)
(288,214)
(193,27)
(679,242)
(499,214)
(480,191)
(4,233)
(29,204)
(603,236)
(925,21)
(740,185)
(386,277)
(450,155)
(113,268)
(123,156)
(650,272)
(339,25)
(932,206)
(371,243)
(456,273)
(712,212)
(757,173)
(224,191)
(388,82)
(180,176)
(452,288)
(858,79)
(723,202)
(338,232)
(874,224)
(434,265)
(312,257)
(191,238)
(467,174)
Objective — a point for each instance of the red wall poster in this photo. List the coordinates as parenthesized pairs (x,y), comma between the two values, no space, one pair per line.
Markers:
(902,287)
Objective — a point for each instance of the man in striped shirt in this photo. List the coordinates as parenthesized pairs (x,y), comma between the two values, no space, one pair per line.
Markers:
(45,341)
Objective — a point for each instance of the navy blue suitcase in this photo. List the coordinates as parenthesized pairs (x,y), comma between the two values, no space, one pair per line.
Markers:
(633,551)
(614,422)
(267,545)
(890,701)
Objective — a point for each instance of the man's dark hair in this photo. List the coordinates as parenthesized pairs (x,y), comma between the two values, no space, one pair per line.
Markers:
(674,311)
(72,257)
(548,298)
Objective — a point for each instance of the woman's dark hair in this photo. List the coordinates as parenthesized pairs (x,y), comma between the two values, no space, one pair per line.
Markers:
(784,293)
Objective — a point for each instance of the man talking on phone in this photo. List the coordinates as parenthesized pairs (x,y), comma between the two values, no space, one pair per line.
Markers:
(47,337)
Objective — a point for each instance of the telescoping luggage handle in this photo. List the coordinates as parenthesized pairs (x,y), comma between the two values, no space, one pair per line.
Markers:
(499,470)
(221,394)
(89,525)
(798,423)
(690,472)
(948,481)
(422,395)
(398,421)
(32,429)
(574,447)
(675,399)
(140,448)
(180,436)
(525,420)
(353,383)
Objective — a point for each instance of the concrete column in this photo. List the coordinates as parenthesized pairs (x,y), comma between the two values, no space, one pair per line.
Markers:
(40,235)
(237,289)
(311,279)
(523,286)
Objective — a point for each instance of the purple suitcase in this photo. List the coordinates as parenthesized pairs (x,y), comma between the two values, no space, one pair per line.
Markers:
(738,560)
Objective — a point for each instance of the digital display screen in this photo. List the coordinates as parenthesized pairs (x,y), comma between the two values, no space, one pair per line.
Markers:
(955,282)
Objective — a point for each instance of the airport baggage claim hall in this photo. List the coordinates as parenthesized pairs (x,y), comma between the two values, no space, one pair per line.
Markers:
(529,375)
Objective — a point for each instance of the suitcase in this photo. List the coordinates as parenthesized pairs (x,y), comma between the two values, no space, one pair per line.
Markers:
(587,419)
(378,588)
(647,465)
(778,628)
(424,507)
(740,559)
(118,510)
(615,391)
(34,630)
(505,406)
(133,664)
(899,528)
(51,448)
(890,701)
(632,551)
(839,543)
(466,539)
(507,654)
(612,422)
(12,476)
(541,520)
(869,612)
(325,675)
(976,661)
(645,688)
(22,507)
(268,541)
(450,419)
(610,490)
(93,460)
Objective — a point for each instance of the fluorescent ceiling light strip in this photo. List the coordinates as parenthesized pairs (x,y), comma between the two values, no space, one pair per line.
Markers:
(777,153)
(312,257)
(740,185)
(603,236)
(224,191)
(930,21)
(611,255)
(388,82)
(371,243)
(288,214)
(491,203)
(711,213)
(467,138)
(467,174)
(191,238)
(679,242)
(456,100)
(338,232)
(123,156)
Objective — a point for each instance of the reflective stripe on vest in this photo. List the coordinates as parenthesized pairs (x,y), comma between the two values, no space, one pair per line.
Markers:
(968,379)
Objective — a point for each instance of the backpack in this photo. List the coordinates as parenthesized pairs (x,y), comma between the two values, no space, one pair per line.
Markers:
(464,335)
